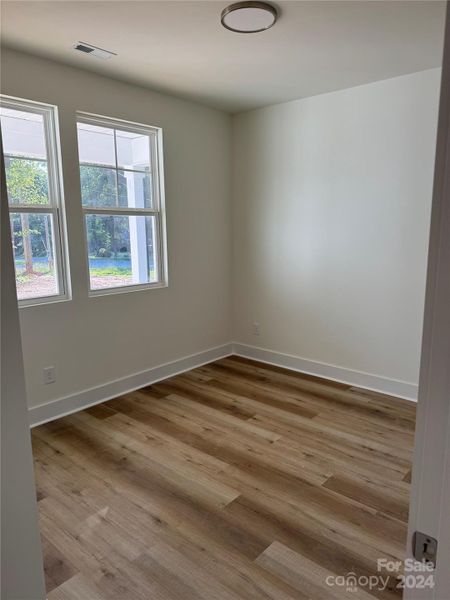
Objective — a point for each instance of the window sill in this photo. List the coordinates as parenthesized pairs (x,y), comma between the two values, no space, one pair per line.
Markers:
(43,301)
(127,288)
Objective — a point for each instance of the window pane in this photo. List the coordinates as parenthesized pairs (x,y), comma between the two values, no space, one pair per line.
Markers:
(23,133)
(134,189)
(98,186)
(121,250)
(96,145)
(33,245)
(133,150)
(26,181)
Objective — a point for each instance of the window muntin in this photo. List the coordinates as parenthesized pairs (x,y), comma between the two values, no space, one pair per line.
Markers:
(120,175)
(33,182)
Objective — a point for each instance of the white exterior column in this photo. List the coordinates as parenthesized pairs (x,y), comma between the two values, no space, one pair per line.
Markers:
(138,236)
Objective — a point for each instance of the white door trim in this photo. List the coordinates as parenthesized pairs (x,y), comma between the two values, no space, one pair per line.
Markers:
(21,553)
(430,491)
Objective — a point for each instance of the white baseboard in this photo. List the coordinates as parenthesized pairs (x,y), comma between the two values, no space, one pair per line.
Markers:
(75,402)
(377,383)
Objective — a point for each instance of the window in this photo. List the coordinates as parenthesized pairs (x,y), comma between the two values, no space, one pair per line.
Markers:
(121,181)
(33,182)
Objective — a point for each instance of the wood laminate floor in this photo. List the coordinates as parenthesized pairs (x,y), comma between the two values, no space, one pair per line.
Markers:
(234,481)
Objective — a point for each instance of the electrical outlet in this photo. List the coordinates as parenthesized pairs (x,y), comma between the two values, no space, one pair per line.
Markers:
(49,375)
(256,329)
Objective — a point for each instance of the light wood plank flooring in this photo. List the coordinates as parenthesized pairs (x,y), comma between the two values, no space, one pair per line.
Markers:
(234,481)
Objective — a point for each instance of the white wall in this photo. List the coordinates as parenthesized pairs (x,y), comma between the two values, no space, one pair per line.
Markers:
(92,341)
(332,198)
(331,209)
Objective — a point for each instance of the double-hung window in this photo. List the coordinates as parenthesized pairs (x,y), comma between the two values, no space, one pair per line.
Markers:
(33,182)
(122,201)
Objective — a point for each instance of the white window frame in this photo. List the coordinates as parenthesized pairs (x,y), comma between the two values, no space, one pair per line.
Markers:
(55,207)
(158,200)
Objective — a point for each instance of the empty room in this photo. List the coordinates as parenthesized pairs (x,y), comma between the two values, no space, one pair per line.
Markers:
(225,302)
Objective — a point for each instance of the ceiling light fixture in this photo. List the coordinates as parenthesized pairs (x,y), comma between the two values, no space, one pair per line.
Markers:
(249,17)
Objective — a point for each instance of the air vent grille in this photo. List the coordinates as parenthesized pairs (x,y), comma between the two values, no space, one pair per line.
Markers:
(83,48)
(93,50)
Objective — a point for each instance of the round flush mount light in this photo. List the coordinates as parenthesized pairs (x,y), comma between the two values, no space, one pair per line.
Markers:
(249,17)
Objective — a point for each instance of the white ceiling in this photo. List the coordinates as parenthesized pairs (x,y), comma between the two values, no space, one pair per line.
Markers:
(180,47)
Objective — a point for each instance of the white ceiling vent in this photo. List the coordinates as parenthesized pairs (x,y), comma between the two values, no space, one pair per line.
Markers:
(93,50)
